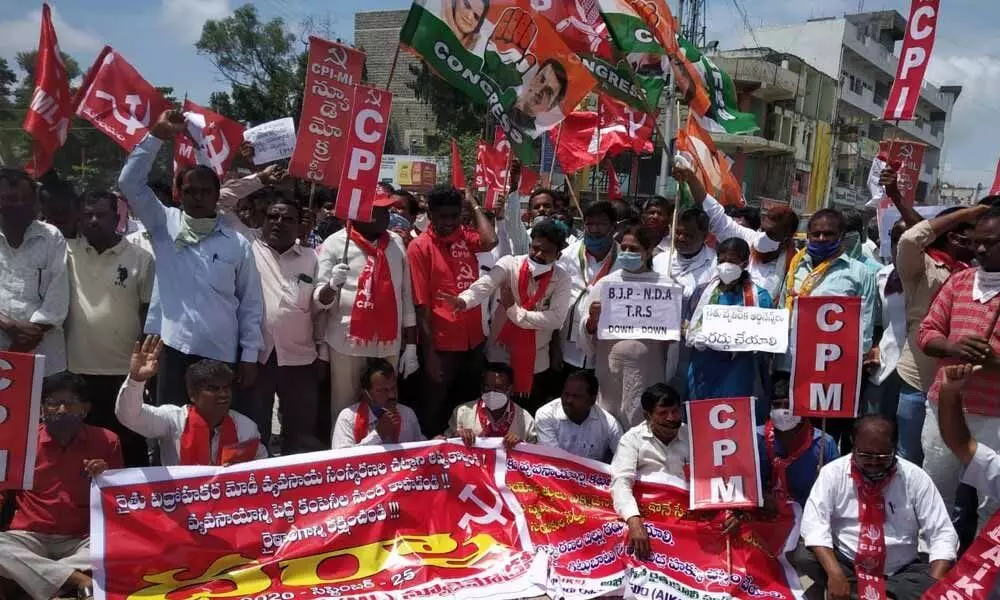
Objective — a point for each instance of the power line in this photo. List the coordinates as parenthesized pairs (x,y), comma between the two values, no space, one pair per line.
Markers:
(746,21)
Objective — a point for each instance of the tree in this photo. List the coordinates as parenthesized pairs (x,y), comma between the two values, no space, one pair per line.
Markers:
(454,112)
(261,62)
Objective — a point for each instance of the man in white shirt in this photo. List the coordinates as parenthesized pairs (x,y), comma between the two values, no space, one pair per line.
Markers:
(864,517)
(494,414)
(34,285)
(535,297)
(587,261)
(377,419)
(206,432)
(657,446)
(368,302)
(576,424)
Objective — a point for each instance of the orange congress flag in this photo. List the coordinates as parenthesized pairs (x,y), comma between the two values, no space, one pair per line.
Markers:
(711,165)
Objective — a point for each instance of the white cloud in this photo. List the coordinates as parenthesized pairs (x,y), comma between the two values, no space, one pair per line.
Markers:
(186,17)
(18,35)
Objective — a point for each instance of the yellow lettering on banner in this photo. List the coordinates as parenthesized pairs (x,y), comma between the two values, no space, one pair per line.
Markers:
(371,559)
(244,574)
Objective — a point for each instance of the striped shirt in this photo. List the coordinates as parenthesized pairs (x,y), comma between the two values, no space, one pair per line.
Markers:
(953,315)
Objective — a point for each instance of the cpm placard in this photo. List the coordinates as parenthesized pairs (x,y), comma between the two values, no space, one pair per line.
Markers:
(20,402)
(725,463)
(916,54)
(332,71)
(639,310)
(826,367)
(365,143)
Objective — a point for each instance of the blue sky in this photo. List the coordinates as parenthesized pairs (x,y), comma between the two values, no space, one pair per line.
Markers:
(157,36)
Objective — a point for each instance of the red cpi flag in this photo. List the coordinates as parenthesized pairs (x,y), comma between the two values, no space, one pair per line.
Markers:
(826,368)
(118,101)
(977,575)
(529,179)
(725,467)
(995,188)
(20,402)
(457,172)
(908,157)
(614,186)
(916,54)
(320,148)
(47,119)
(368,127)
(578,140)
(212,140)
(639,126)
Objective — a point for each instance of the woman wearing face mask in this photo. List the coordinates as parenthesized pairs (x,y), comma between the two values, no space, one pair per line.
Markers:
(712,373)
(625,368)
(535,296)
(794,451)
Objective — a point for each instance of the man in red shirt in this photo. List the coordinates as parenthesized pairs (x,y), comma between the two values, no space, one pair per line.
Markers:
(958,329)
(443,261)
(47,547)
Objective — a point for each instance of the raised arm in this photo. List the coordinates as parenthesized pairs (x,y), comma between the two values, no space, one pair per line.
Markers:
(148,421)
(890,181)
(554,316)
(134,176)
(951,419)
(487,235)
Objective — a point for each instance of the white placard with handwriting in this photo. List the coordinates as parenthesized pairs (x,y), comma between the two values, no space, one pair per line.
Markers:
(745,328)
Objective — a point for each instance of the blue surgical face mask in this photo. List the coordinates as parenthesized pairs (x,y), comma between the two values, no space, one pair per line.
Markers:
(823,250)
(630,261)
(597,245)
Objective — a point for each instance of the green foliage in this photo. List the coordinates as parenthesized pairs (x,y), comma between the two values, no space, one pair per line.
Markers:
(455,113)
(261,62)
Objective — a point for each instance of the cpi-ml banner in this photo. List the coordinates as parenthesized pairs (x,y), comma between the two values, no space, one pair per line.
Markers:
(359,523)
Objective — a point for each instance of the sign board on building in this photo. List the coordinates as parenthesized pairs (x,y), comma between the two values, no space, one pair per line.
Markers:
(414,173)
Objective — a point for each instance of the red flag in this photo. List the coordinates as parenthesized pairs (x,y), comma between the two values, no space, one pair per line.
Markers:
(995,189)
(457,172)
(908,159)
(212,140)
(320,147)
(368,128)
(47,119)
(529,179)
(639,126)
(579,138)
(916,54)
(492,162)
(118,101)
(614,186)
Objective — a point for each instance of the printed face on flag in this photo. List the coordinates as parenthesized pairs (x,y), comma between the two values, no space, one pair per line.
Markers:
(503,54)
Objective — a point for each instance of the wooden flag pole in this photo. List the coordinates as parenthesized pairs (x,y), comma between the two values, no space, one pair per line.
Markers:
(597,175)
(822,454)
(312,196)
(572,196)
(673,219)
(347,243)
(392,69)
(729,556)
(555,153)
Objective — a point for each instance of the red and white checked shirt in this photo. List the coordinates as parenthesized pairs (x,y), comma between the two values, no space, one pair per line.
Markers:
(954,315)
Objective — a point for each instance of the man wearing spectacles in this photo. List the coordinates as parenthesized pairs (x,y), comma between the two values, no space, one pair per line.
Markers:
(863,518)
(48,545)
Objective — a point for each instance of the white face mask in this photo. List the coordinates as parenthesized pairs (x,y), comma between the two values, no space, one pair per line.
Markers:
(421,222)
(537,269)
(784,420)
(728,272)
(494,400)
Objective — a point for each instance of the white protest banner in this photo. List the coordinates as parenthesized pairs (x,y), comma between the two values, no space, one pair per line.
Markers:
(634,310)
(745,328)
(274,140)
(889,217)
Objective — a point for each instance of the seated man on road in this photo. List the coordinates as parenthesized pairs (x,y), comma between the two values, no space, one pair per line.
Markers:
(863,518)
(576,424)
(377,418)
(48,545)
(205,432)
(791,451)
(657,445)
(494,414)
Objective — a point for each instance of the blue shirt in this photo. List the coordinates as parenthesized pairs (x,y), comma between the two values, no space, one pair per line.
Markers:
(715,374)
(846,277)
(207,295)
(802,473)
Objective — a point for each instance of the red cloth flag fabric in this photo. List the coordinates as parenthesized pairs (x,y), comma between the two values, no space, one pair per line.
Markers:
(639,126)
(118,101)
(47,119)
(711,165)
(211,140)
(529,179)
(578,141)
(614,186)
(995,188)
(918,43)
(457,172)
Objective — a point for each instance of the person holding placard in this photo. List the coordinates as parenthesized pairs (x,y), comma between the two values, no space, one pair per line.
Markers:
(658,445)
(771,246)
(716,374)
(534,299)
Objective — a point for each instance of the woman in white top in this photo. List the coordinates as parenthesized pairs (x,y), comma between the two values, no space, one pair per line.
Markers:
(627,367)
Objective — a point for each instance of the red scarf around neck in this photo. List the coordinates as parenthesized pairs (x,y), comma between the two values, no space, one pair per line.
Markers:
(869,560)
(491,427)
(520,343)
(362,423)
(374,317)
(950,262)
(800,444)
(196,440)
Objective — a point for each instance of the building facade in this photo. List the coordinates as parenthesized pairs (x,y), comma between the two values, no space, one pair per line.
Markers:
(858,51)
